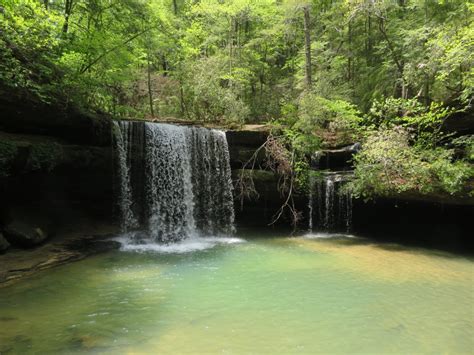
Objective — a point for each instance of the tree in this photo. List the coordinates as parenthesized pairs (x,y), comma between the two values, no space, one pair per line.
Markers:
(307,45)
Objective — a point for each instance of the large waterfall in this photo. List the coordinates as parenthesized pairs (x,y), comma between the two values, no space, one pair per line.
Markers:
(175,181)
(329,205)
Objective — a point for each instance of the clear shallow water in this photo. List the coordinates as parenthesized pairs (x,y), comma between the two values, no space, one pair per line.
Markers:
(258,295)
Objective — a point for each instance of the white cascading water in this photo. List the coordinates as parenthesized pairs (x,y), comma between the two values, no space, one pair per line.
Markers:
(169,190)
(186,184)
(128,219)
(329,205)
(329,202)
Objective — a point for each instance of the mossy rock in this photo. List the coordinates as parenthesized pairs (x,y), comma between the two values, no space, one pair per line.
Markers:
(24,235)
(44,156)
(8,153)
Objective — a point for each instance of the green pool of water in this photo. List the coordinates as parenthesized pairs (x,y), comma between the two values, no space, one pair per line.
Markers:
(258,295)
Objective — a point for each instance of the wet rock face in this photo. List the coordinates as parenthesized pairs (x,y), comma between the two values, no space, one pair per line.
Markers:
(44,179)
(242,146)
(335,159)
(23,154)
(24,235)
(67,123)
(4,245)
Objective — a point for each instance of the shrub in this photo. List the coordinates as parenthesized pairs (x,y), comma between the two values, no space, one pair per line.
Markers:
(388,164)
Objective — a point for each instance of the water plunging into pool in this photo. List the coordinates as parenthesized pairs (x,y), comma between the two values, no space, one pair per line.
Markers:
(175,181)
(329,204)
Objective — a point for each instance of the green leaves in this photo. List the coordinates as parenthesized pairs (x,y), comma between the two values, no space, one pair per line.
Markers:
(388,164)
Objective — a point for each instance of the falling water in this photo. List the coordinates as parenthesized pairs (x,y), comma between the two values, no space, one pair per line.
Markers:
(170,204)
(186,185)
(128,219)
(329,205)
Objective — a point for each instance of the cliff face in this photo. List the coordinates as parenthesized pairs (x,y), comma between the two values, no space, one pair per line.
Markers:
(56,167)
(68,124)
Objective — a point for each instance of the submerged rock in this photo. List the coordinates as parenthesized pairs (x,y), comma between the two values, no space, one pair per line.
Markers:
(4,245)
(24,235)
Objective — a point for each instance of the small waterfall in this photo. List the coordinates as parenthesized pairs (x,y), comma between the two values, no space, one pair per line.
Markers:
(329,205)
(128,219)
(181,178)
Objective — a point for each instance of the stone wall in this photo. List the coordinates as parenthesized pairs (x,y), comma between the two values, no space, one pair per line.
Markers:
(49,182)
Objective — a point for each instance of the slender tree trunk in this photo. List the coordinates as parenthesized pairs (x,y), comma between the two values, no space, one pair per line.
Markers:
(349,56)
(396,58)
(175,7)
(369,40)
(150,89)
(181,100)
(46,4)
(67,13)
(231,49)
(307,42)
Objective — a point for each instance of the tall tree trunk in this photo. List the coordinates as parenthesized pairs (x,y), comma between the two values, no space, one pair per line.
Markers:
(175,7)
(150,89)
(231,49)
(397,58)
(307,45)
(67,13)
(46,4)
(349,56)
(368,52)
(181,101)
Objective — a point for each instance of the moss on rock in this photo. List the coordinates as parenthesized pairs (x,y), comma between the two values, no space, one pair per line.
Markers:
(44,156)
(8,153)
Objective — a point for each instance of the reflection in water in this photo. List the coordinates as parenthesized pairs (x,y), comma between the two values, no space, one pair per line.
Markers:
(314,293)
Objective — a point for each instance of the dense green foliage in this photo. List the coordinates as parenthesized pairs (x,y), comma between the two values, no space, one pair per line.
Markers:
(241,60)
(388,164)
(326,73)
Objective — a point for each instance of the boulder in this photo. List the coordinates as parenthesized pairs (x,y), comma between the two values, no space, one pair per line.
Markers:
(4,245)
(24,235)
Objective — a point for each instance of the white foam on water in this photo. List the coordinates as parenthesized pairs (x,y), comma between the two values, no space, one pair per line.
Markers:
(188,245)
(323,235)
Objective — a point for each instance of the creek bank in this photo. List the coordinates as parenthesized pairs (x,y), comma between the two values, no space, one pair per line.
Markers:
(69,245)
(24,235)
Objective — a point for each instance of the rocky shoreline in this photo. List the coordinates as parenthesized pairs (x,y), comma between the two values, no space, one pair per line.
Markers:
(65,248)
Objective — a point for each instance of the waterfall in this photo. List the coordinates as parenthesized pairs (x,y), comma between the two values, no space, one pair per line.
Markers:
(128,219)
(175,181)
(329,205)
(170,203)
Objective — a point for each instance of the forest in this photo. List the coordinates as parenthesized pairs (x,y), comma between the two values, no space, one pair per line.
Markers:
(323,73)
